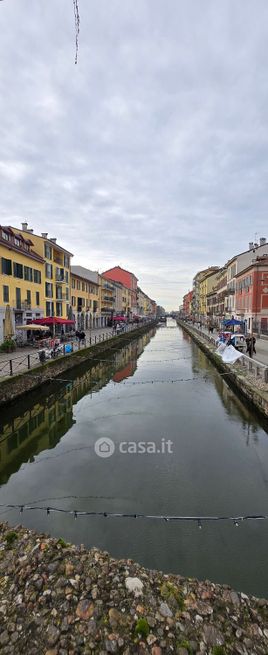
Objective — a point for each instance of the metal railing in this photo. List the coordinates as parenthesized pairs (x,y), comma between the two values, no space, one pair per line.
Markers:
(19,364)
(256,368)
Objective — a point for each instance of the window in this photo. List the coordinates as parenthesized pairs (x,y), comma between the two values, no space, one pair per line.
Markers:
(83,286)
(17,242)
(18,298)
(78,286)
(28,273)
(67,294)
(59,274)
(5,293)
(49,308)
(48,251)
(66,277)
(37,276)
(17,270)
(66,261)
(59,292)
(58,309)
(6,266)
(49,290)
(28,300)
(49,271)
(73,283)
(37,298)
(5,235)
(73,301)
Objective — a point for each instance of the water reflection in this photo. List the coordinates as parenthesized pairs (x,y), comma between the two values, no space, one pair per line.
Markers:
(42,425)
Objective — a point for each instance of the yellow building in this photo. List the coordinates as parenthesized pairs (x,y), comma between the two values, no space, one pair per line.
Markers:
(107,297)
(21,278)
(85,297)
(206,285)
(57,271)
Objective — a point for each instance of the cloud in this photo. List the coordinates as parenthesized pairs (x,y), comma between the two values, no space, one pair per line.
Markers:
(151,152)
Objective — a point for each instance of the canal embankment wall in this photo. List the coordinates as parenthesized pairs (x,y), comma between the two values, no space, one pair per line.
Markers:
(19,385)
(245,385)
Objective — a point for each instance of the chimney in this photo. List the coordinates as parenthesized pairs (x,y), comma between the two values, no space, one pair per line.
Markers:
(262,241)
(44,235)
(54,239)
(251,245)
(256,245)
(24,227)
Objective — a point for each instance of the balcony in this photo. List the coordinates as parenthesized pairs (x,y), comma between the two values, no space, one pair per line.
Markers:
(109,298)
(230,291)
(58,260)
(60,279)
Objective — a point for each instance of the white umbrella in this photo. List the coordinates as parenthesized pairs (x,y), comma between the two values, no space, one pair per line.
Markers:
(40,328)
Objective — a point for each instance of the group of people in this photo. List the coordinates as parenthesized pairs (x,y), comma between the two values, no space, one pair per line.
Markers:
(250,342)
(80,334)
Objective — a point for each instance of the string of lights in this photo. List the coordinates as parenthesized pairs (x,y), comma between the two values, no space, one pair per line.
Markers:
(236,520)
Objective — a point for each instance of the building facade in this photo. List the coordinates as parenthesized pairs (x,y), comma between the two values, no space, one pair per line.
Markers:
(21,279)
(57,271)
(128,279)
(85,301)
(252,295)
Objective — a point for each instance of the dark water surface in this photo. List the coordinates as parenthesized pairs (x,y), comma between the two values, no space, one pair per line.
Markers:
(219,463)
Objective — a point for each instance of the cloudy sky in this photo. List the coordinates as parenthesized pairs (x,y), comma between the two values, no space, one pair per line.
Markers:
(152,151)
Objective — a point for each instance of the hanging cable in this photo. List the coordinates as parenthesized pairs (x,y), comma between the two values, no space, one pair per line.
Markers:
(236,520)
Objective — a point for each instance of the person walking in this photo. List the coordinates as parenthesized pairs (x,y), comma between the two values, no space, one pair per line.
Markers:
(251,341)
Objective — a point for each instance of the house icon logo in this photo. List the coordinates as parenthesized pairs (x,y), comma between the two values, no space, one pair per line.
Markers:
(104,447)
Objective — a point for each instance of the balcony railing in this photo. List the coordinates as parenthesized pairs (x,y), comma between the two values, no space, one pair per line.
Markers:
(58,260)
(60,278)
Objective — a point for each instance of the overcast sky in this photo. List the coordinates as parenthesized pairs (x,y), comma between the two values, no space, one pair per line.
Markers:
(152,151)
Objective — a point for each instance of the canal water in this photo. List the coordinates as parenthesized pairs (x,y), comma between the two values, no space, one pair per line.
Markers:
(183,442)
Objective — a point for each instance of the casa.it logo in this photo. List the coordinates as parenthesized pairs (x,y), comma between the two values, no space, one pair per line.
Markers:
(105,447)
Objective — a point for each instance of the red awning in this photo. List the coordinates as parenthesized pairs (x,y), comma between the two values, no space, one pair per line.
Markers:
(53,320)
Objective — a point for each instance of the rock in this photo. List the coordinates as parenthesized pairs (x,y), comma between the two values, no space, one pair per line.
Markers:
(156,650)
(4,638)
(135,586)
(85,609)
(53,635)
(165,610)
(212,636)
(69,569)
(115,617)
(111,646)
(234,598)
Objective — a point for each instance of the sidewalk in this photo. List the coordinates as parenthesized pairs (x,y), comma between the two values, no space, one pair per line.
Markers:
(27,358)
(261,347)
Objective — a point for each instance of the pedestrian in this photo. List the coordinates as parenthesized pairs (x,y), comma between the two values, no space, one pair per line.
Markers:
(250,341)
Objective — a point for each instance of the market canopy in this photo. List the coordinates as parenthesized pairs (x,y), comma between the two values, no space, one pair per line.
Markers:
(53,320)
(232,321)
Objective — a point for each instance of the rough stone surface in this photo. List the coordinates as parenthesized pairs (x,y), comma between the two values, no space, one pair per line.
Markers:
(61,599)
